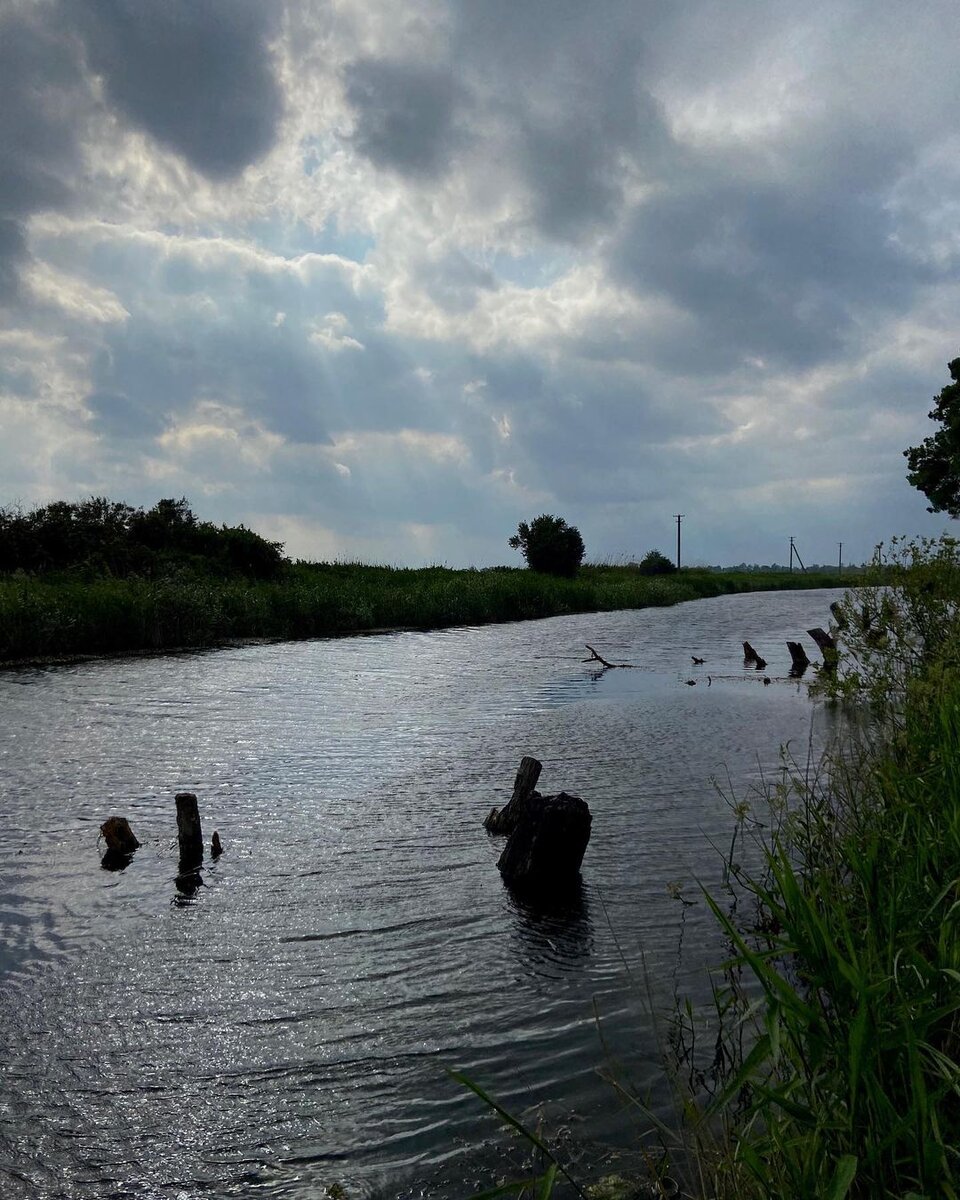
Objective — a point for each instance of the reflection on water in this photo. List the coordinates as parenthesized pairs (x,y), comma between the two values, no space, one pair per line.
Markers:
(552,933)
(281,1017)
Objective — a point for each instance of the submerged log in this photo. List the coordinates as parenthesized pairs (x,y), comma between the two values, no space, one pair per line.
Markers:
(545,850)
(823,639)
(504,820)
(119,836)
(121,843)
(799,657)
(188,830)
(752,659)
(827,647)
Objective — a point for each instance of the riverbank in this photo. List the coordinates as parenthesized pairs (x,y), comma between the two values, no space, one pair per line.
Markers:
(836,1068)
(46,617)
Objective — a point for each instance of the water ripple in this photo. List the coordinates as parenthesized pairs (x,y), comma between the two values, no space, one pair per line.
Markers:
(285,1027)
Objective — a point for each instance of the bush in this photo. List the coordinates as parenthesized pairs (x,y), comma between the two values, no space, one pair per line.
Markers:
(98,537)
(656,563)
(550,545)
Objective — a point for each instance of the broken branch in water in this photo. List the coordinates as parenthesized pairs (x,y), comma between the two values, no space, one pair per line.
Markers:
(595,657)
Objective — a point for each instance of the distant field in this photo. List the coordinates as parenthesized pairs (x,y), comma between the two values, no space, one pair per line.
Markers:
(54,616)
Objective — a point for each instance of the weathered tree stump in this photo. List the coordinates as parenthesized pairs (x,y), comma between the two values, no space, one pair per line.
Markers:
(836,611)
(827,647)
(799,657)
(752,659)
(504,820)
(119,836)
(545,850)
(188,830)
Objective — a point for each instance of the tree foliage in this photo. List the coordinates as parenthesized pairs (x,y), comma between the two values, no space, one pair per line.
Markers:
(549,545)
(656,563)
(105,537)
(935,463)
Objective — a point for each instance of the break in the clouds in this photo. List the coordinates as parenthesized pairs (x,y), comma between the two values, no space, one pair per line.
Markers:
(383,280)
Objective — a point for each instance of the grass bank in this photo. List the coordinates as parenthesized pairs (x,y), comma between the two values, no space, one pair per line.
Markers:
(51,615)
(836,1065)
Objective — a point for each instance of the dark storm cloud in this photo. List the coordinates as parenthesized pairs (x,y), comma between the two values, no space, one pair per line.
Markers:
(195,74)
(568,91)
(767,271)
(405,114)
(41,97)
(39,79)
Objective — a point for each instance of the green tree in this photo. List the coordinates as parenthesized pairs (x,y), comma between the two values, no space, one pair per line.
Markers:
(656,563)
(935,463)
(103,537)
(550,545)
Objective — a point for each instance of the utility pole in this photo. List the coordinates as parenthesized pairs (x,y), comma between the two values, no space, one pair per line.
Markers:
(794,552)
(679,517)
(791,553)
(840,559)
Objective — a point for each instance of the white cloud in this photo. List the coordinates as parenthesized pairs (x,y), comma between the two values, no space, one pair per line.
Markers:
(76,299)
(330,333)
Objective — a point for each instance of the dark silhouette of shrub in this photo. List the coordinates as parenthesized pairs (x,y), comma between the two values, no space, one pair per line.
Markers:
(656,563)
(550,545)
(98,537)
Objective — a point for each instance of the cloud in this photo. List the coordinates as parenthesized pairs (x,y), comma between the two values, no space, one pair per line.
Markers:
(567,104)
(405,114)
(42,99)
(764,271)
(13,252)
(398,276)
(194,74)
(40,85)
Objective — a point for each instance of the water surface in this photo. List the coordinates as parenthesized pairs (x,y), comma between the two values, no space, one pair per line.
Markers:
(287,1027)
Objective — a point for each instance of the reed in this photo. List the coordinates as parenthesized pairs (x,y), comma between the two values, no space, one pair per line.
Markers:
(836,1064)
(69,614)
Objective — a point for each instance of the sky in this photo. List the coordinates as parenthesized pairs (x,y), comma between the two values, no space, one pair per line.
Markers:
(381,280)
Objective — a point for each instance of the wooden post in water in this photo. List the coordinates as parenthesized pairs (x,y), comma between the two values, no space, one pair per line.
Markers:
(119,836)
(799,657)
(503,820)
(827,647)
(188,830)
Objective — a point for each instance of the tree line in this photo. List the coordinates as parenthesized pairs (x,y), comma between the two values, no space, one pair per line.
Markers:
(98,536)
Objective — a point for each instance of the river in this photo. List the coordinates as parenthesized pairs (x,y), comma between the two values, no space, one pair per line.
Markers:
(287,1028)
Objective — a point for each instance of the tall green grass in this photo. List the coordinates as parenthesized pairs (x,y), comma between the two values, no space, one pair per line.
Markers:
(836,1065)
(43,616)
(850,1081)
